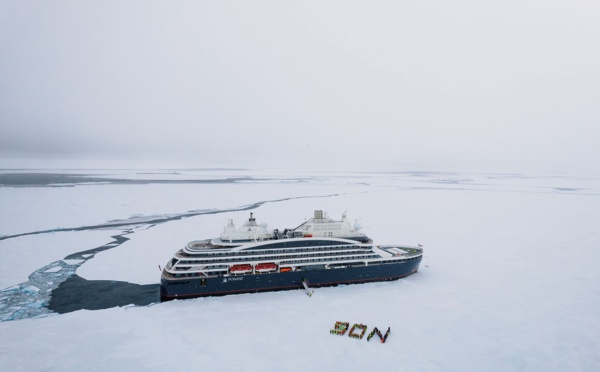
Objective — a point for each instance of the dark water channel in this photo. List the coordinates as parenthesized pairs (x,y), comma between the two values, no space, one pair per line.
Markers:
(77,293)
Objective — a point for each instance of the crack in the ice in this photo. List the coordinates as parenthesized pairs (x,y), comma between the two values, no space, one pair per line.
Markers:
(158,219)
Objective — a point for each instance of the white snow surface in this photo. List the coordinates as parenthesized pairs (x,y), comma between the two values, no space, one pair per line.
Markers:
(509,279)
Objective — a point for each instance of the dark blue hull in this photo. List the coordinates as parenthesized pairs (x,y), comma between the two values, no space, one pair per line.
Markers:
(252,283)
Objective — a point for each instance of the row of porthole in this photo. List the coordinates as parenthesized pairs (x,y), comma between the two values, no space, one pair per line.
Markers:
(247,253)
(275,258)
(326,260)
(315,261)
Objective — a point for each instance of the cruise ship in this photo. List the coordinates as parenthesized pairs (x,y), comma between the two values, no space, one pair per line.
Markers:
(320,252)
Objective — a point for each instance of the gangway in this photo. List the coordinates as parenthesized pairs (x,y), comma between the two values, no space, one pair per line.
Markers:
(309,291)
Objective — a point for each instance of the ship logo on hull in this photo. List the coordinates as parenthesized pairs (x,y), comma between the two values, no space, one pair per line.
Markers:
(225,280)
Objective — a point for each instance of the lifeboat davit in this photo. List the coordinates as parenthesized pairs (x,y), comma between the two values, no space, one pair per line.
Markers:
(241,269)
(266,267)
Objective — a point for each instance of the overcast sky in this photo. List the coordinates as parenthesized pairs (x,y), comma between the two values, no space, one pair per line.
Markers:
(397,85)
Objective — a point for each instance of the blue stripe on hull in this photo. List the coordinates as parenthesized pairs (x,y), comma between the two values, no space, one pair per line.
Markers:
(218,286)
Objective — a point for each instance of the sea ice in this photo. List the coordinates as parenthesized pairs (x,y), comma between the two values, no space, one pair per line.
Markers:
(495,290)
(31,289)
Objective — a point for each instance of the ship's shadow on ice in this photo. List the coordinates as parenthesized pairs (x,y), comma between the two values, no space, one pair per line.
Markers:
(77,293)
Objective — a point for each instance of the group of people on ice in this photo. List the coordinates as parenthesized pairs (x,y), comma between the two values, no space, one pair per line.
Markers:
(340,329)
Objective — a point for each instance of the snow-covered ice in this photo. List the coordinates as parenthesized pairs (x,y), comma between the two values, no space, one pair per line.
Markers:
(509,279)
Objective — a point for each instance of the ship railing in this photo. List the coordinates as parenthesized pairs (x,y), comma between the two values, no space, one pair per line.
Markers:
(402,251)
(183,275)
(275,256)
(419,247)
(409,247)
(198,244)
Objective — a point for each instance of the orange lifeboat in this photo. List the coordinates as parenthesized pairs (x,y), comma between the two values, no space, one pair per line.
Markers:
(241,269)
(285,269)
(266,267)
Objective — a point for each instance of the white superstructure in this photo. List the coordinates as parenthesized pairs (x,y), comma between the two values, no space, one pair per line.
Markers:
(322,226)
(250,231)
(319,242)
